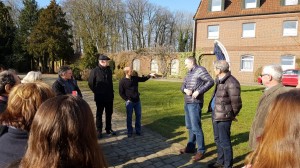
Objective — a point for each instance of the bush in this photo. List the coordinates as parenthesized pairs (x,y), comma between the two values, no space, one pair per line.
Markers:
(119,74)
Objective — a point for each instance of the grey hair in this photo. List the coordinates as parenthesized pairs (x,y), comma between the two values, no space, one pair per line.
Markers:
(32,76)
(6,77)
(222,65)
(63,69)
(275,70)
(192,59)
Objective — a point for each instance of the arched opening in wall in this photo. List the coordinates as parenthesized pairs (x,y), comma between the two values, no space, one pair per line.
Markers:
(154,66)
(136,65)
(175,67)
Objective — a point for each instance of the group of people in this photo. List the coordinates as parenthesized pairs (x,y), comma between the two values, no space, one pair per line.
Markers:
(274,135)
(54,127)
(40,127)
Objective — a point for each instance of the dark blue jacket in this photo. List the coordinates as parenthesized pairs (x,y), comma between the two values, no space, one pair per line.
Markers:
(60,88)
(197,79)
(13,145)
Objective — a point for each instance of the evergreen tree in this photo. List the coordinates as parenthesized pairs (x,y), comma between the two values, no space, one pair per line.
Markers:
(50,39)
(27,20)
(7,30)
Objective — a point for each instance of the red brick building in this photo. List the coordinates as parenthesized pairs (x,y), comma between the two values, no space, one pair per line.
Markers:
(254,32)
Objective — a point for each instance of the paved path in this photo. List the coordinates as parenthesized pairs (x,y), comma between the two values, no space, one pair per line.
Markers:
(150,150)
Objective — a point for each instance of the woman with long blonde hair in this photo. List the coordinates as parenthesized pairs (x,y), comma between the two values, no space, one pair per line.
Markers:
(279,145)
(63,135)
(23,102)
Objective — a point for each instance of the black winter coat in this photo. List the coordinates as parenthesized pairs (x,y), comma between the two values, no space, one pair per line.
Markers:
(228,102)
(100,82)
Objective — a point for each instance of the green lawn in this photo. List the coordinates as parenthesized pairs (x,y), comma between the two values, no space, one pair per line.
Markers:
(162,111)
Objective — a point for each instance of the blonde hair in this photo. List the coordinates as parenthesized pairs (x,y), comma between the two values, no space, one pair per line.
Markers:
(23,102)
(32,76)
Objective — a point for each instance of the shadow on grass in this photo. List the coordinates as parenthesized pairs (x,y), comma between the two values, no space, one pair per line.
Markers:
(235,140)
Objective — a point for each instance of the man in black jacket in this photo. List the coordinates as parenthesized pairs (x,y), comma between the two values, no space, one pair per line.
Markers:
(100,82)
(128,90)
(225,104)
(66,84)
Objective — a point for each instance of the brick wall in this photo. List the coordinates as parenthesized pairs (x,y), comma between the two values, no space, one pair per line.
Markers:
(267,46)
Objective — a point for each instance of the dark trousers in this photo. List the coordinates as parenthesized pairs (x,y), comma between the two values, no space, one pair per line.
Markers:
(223,142)
(108,106)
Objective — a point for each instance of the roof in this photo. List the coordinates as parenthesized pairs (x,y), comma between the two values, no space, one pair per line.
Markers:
(233,8)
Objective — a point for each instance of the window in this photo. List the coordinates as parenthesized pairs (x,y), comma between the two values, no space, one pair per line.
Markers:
(216,5)
(136,65)
(247,63)
(248,30)
(251,4)
(291,2)
(287,62)
(154,66)
(290,28)
(213,32)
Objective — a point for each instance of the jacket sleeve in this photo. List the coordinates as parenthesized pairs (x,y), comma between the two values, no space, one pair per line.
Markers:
(234,93)
(207,82)
(122,90)
(183,86)
(143,78)
(91,80)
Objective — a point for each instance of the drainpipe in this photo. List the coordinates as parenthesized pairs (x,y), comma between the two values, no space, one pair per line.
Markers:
(194,37)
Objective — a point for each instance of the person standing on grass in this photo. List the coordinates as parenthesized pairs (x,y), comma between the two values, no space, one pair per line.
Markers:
(196,83)
(271,78)
(65,84)
(225,104)
(129,91)
(100,82)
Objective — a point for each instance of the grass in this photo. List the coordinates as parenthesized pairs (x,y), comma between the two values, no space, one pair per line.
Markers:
(162,111)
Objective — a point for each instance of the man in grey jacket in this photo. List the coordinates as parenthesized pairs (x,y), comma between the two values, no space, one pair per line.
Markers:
(225,104)
(195,84)
(271,78)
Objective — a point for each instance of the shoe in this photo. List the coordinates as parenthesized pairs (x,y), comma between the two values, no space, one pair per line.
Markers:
(138,134)
(197,157)
(215,165)
(182,151)
(111,132)
(99,134)
(129,135)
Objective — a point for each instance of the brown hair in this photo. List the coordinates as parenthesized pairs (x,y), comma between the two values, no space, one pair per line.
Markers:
(23,102)
(63,134)
(279,145)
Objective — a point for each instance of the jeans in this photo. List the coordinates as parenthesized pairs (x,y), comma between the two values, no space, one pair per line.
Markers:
(223,142)
(193,124)
(108,106)
(136,106)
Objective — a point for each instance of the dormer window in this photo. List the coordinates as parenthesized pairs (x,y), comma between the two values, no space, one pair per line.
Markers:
(216,5)
(249,4)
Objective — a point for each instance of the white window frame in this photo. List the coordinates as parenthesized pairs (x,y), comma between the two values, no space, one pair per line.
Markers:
(250,5)
(154,66)
(216,5)
(247,62)
(290,31)
(248,33)
(291,2)
(175,67)
(288,61)
(211,34)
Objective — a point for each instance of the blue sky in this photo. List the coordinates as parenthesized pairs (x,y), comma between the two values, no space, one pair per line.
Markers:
(173,5)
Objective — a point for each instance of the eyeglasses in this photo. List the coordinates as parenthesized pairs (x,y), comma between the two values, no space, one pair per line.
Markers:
(263,75)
